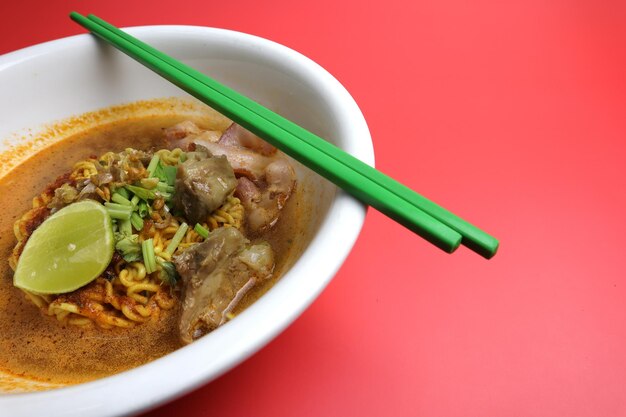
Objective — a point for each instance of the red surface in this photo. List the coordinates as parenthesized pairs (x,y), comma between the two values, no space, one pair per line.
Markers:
(511,115)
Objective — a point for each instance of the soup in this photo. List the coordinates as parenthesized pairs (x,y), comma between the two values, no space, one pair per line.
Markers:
(72,346)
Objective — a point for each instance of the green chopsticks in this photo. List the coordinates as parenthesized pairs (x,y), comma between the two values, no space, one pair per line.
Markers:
(427,219)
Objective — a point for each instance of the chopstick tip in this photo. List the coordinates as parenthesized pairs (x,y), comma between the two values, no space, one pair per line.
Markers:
(486,249)
(76,17)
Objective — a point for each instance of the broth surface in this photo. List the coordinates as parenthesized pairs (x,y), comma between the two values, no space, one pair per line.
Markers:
(38,347)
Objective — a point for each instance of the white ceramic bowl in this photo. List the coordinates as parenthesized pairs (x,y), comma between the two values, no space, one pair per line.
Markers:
(71,76)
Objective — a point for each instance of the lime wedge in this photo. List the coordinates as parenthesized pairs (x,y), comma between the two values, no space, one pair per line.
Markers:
(68,250)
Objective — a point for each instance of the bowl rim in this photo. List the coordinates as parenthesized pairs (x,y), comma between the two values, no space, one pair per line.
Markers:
(88,398)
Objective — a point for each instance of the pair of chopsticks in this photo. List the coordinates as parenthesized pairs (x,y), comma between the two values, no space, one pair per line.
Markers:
(432,222)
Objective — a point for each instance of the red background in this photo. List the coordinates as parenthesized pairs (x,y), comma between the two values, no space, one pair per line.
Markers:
(510,114)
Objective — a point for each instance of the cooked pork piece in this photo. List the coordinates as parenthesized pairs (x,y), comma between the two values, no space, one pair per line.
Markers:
(216,274)
(244,161)
(181,130)
(202,184)
(180,135)
(236,135)
(263,204)
(266,178)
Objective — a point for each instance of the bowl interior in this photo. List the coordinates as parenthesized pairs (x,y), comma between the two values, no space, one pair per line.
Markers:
(64,78)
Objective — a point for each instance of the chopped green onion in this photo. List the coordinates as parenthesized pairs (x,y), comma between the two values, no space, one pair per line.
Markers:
(117,214)
(182,157)
(165,173)
(125,227)
(149,259)
(143,209)
(164,188)
(168,273)
(118,211)
(178,237)
(136,221)
(142,193)
(170,174)
(134,200)
(117,206)
(128,246)
(123,192)
(120,199)
(165,196)
(152,166)
(158,172)
(201,230)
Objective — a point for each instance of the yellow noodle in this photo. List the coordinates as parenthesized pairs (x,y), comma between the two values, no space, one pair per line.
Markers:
(109,289)
(116,321)
(128,312)
(132,273)
(72,308)
(36,299)
(165,255)
(170,230)
(164,301)
(156,240)
(80,321)
(168,157)
(139,298)
(132,291)
(126,277)
(229,214)
(213,223)
(61,314)
(159,248)
(97,298)
(110,298)
(84,169)
(148,286)
(144,311)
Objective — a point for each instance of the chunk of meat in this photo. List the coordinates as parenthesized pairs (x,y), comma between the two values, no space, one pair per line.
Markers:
(271,178)
(216,274)
(264,204)
(280,178)
(244,161)
(183,133)
(202,185)
(236,135)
